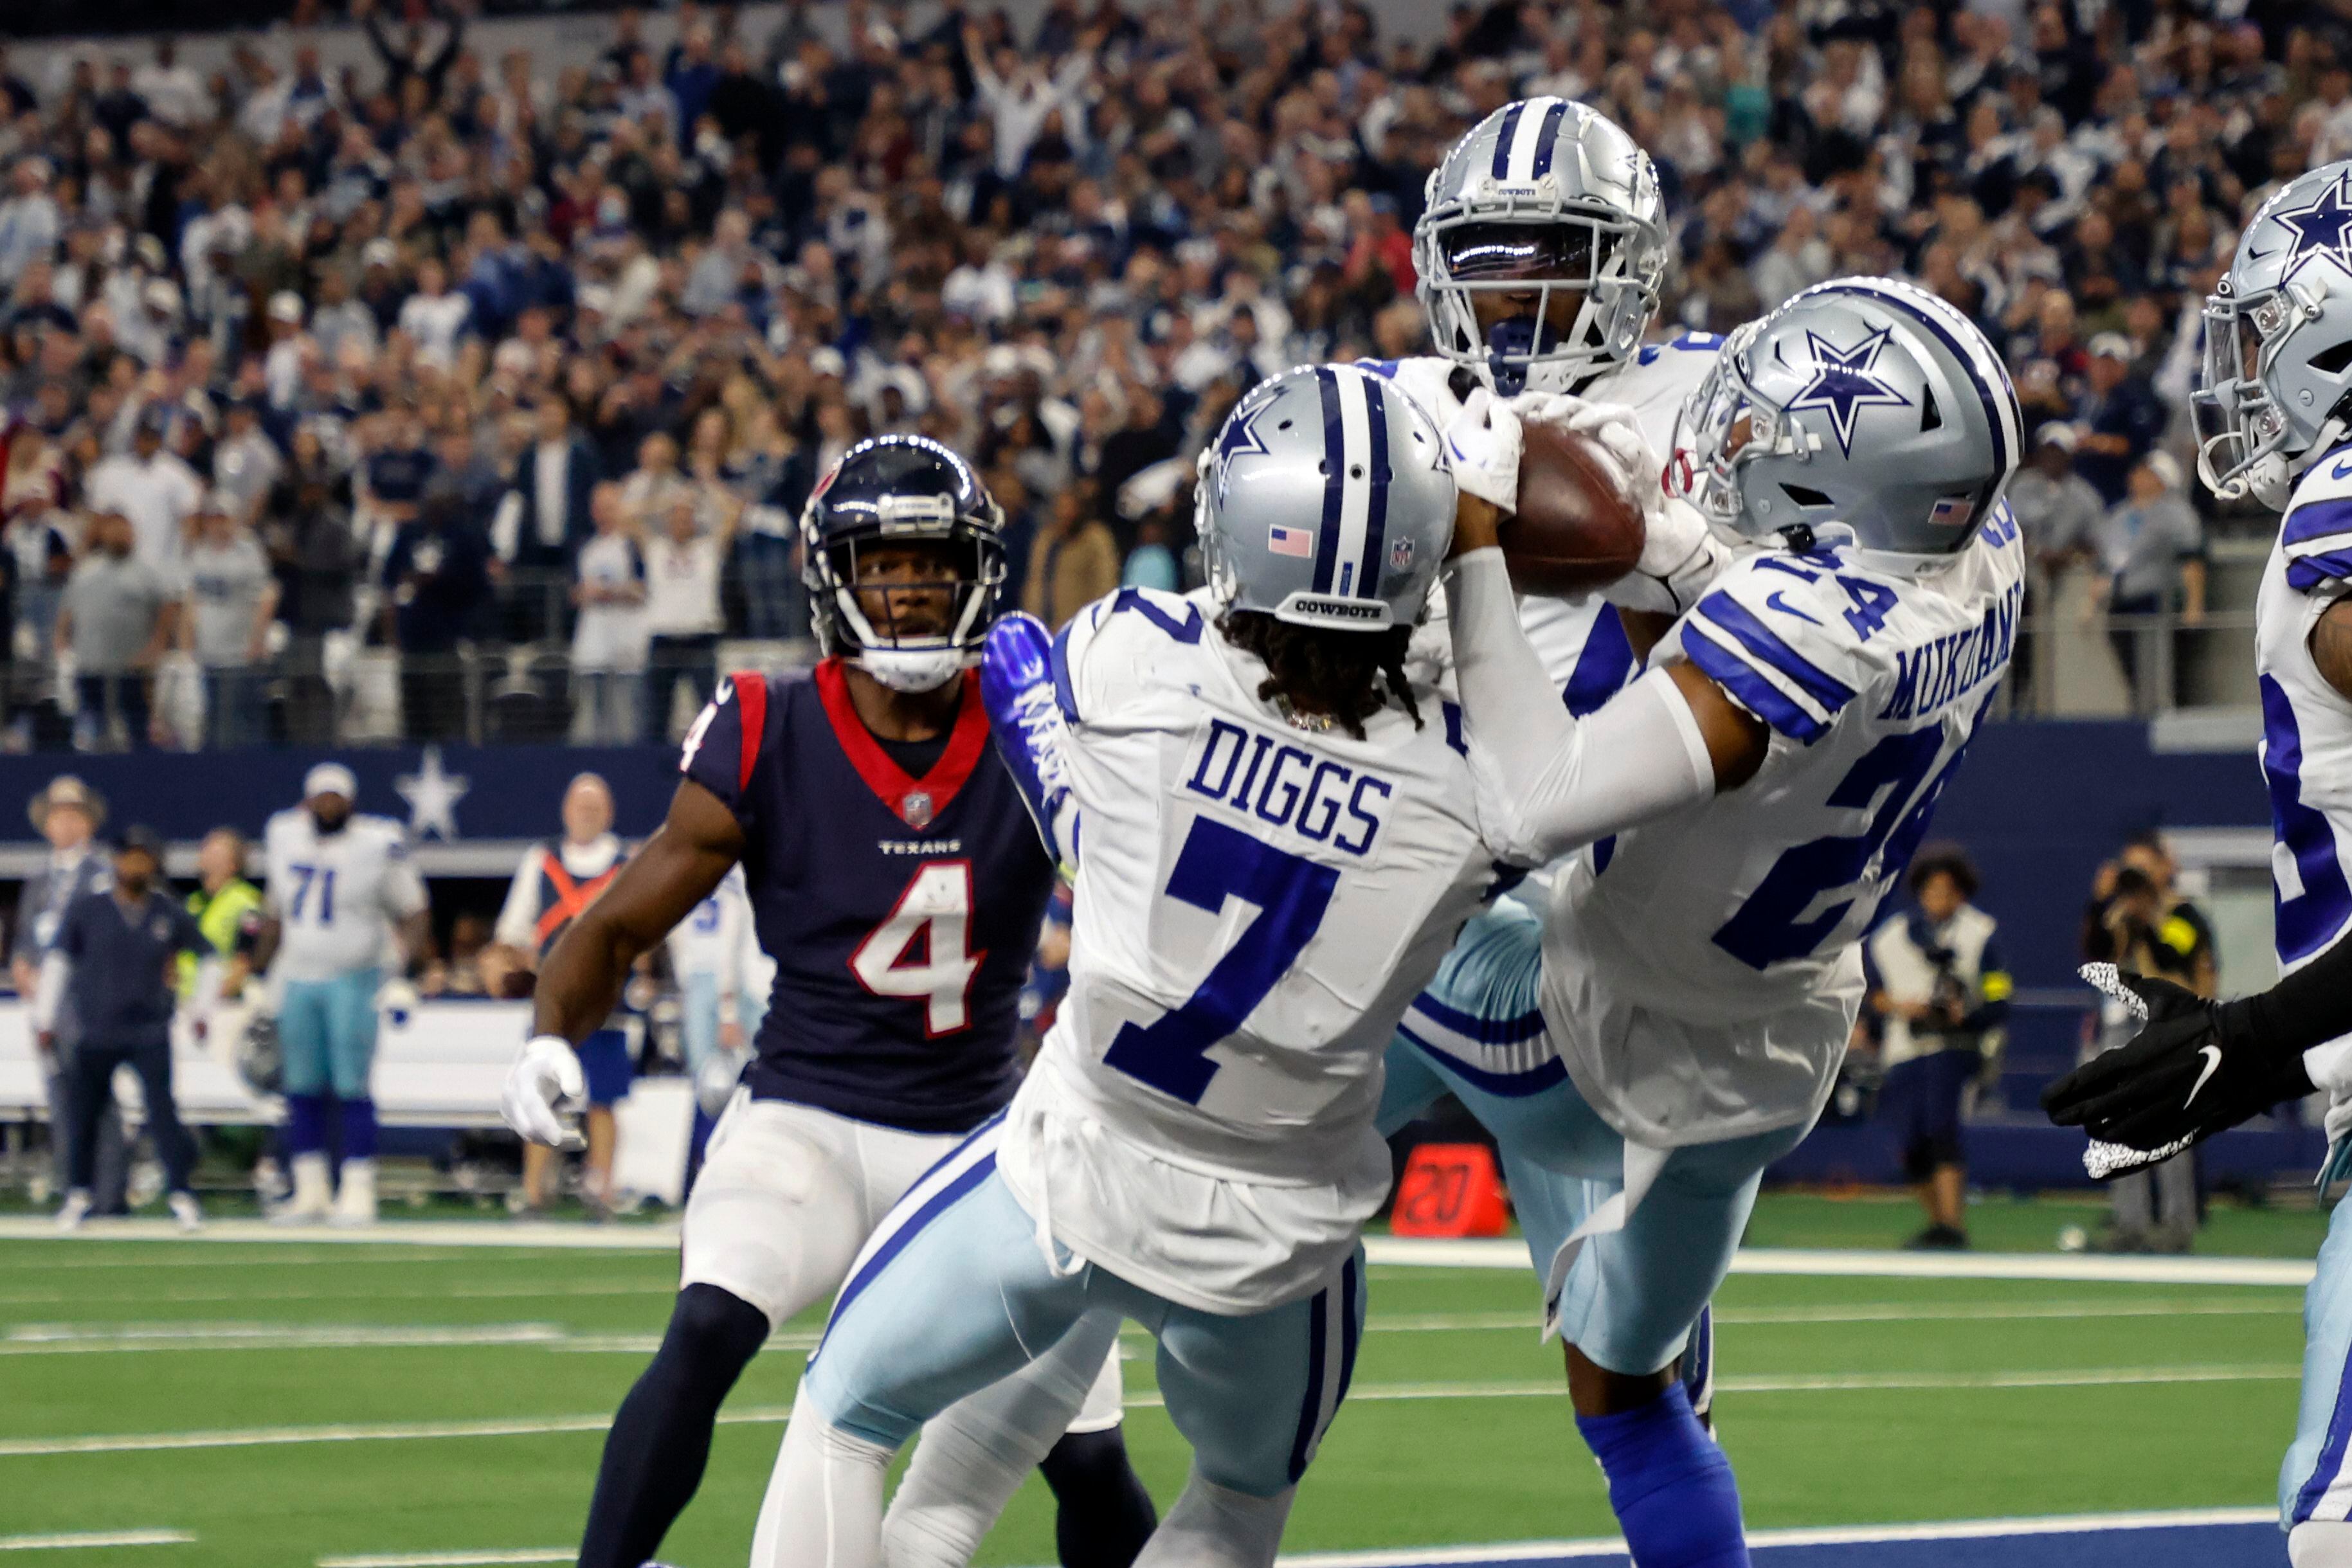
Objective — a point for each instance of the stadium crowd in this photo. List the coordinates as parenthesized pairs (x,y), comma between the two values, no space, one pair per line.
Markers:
(524,374)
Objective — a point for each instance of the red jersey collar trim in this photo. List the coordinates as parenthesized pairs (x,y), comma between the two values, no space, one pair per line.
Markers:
(917,802)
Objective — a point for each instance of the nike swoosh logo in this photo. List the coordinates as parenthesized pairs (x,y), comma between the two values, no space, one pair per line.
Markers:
(2212,1055)
(1774,601)
(2343,467)
(2252,255)
(1455,447)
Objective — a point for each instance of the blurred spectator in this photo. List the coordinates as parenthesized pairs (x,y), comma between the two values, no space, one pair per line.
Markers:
(116,622)
(232,599)
(556,881)
(1073,562)
(67,813)
(2151,553)
(438,589)
(2137,921)
(2060,514)
(228,911)
(546,516)
(115,957)
(682,566)
(2120,418)
(1941,993)
(317,558)
(151,486)
(612,637)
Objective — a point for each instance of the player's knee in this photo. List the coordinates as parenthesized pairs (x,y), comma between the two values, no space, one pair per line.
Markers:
(714,1332)
(2316,1543)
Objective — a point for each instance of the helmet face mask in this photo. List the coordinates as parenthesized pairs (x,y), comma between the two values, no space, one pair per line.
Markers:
(2277,373)
(905,560)
(1548,207)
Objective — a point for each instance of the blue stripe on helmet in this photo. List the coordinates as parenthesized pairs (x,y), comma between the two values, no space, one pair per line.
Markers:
(1501,170)
(1985,390)
(1766,646)
(1549,136)
(1750,690)
(1335,479)
(1376,512)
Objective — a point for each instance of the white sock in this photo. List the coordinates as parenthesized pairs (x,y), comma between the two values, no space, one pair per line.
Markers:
(973,1456)
(824,1507)
(1214,1527)
(2317,1543)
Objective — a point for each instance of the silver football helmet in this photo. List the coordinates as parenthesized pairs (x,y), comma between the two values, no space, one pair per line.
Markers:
(1325,500)
(1862,403)
(2278,341)
(1542,198)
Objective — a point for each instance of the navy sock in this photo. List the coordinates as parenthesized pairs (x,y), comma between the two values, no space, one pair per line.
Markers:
(306,1124)
(1102,1514)
(359,1129)
(1670,1485)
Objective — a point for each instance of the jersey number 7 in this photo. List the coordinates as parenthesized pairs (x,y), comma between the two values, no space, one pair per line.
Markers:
(1291,893)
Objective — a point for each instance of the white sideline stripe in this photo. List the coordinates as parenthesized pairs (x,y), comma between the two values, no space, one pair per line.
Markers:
(1842,1535)
(86,1540)
(665,1286)
(1865,1312)
(58,1339)
(1395,1250)
(453,1559)
(531,1427)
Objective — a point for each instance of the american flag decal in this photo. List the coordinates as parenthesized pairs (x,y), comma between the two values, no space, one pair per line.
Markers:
(1300,542)
(1952,511)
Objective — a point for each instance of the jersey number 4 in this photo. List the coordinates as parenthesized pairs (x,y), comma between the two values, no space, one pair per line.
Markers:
(1291,893)
(924,948)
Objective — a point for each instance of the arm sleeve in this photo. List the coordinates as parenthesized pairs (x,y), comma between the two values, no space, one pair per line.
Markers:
(721,752)
(1553,781)
(518,916)
(2309,1014)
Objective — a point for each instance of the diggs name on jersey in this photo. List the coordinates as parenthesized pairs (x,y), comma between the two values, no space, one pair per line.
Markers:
(1283,786)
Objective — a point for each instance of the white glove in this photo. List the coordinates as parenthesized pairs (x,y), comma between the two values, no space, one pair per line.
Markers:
(544,1081)
(1680,553)
(1484,443)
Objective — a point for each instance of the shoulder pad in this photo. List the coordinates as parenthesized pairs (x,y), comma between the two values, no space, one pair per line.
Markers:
(1426,379)
(2316,535)
(1776,634)
(1117,645)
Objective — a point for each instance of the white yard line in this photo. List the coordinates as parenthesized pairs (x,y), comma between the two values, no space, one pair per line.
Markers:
(1391,1250)
(665,1286)
(59,1339)
(530,1426)
(453,1559)
(1954,1529)
(89,1540)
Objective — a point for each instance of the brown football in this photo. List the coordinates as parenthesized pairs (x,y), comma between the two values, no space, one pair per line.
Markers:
(1576,530)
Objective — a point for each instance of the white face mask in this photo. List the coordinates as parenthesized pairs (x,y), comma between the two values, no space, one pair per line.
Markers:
(912,669)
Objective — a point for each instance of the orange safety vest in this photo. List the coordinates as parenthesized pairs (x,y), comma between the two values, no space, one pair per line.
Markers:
(571,898)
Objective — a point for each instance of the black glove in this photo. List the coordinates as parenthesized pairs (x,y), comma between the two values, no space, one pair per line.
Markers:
(2196,1068)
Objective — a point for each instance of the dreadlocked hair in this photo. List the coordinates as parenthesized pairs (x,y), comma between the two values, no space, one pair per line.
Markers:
(1320,670)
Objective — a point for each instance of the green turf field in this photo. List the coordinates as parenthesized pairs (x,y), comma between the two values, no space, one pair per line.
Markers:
(1842,1400)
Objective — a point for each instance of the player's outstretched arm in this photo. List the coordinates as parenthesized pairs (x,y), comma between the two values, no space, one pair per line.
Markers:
(1668,740)
(581,979)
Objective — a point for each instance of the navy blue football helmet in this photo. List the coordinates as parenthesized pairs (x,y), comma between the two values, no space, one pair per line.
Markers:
(900,490)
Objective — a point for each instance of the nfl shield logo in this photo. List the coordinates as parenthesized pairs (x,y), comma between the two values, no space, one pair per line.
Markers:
(915,806)
(1400,555)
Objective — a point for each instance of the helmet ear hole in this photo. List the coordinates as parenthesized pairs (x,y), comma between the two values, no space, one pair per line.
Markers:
(1805,496)
(2332,362)
(1931,417)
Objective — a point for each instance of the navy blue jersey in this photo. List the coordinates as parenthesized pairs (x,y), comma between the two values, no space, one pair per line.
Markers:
(901,912)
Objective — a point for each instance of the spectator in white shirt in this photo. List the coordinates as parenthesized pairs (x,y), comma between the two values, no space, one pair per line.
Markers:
(232,598)
(153,488)
(609,641)
(174,93)
(682,565)
(29,222)
(246,463)
(436,316)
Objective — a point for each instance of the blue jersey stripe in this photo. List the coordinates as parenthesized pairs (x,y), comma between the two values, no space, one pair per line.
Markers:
(1376,514)
(2318,520)
(1766,644)
(1503,140)
(2306,572)
(1485,1030)
(1602,667)
(1335,480)
(1549,137)
(1503,1085)
(1750,690)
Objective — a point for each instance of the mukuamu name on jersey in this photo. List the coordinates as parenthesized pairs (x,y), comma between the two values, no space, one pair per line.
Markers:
(1288,787)
(1942,672)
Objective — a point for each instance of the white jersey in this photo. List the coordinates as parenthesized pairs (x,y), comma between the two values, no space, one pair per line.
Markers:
(1583,649)
(336,896)
(710,939)
(1255,905)
(2307,744)
(1702,972)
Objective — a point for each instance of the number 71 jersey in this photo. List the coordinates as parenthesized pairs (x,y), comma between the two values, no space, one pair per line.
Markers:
(902,911)
(1256,903)
(1702,972)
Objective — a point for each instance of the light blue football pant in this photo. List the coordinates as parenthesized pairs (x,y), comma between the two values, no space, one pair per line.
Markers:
(953,1292)
(2316,1482)
(698,1020)
(1633,1295)
(326,1031)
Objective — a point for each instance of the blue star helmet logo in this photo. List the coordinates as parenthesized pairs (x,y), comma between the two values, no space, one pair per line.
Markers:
(1240,439)
(1843,383)
(2322,228)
